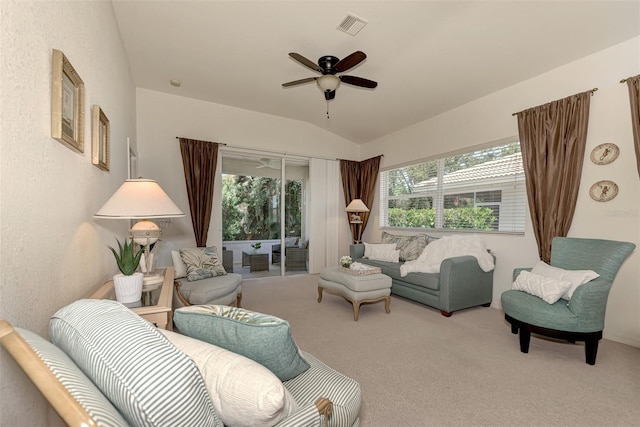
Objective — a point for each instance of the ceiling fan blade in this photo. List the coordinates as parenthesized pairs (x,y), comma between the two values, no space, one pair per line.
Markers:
(299,82)
(306,62)
(349,62)
(358,81)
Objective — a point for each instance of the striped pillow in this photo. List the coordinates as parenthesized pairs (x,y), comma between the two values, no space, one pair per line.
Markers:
(148,379)
(72,378)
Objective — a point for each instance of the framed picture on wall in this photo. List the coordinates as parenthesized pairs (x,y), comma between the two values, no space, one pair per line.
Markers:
(67,103)
(101,135)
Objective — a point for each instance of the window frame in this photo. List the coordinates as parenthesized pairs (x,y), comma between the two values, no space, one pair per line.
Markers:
(516,212)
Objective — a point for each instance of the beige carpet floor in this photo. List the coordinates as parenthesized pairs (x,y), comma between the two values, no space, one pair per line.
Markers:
(418,368)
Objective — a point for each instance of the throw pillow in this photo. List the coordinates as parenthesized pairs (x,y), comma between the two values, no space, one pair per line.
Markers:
(547,288)
(178,265)
(243,392)
(74,380)
(291,241)
(410,247)
(260,337)
(202,263)
(146,378)
(576,277)
(381,252)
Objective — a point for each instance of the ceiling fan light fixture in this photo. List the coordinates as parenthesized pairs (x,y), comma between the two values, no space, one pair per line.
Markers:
(328,82)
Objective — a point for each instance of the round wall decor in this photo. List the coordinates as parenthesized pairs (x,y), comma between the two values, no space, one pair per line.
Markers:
(603,191)
(605,153)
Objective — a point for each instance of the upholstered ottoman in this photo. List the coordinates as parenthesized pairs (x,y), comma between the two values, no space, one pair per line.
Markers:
(357,290)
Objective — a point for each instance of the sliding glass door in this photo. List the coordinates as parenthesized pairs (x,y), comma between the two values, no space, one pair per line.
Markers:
(263,212)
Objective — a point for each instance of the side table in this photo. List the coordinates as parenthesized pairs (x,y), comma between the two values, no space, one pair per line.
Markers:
(159,314)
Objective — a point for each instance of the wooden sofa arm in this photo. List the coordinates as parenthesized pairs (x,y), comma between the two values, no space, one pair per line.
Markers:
(51,388)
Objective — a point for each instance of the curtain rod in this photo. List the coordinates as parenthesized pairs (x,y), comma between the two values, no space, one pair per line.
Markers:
(592,91)
(221,143)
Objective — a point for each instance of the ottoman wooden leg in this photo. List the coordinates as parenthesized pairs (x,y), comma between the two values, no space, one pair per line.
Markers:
(319,293)
(356,309)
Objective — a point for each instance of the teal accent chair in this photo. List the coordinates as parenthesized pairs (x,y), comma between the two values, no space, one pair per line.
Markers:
(581,318)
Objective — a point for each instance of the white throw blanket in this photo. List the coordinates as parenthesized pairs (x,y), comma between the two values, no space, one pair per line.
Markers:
(447,247)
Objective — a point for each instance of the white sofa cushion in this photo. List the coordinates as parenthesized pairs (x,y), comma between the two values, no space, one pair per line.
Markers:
(381,252)
(243,392)
(148,379)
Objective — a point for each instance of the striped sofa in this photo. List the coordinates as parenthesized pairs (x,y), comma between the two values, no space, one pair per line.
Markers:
(106,366)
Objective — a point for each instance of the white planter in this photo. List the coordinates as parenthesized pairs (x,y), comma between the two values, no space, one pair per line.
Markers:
(128,288)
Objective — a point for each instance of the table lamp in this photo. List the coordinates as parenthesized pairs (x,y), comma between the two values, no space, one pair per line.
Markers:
(141,199)
(355,208)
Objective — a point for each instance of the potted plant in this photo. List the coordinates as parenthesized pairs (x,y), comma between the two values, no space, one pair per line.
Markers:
(256,246)
(128,283)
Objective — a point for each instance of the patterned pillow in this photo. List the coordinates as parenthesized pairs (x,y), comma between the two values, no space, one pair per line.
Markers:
(148,379)
(547,288)
(202,263)
(260,337)
(410,247)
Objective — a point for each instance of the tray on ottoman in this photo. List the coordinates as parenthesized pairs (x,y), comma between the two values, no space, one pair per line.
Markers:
(366,272)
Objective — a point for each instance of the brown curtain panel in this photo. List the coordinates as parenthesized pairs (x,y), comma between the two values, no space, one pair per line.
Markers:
(634,99)
(553,138)
(199,159)
(359,182)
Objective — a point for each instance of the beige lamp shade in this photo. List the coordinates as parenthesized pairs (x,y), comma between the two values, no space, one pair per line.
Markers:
(139,199)
(357,205)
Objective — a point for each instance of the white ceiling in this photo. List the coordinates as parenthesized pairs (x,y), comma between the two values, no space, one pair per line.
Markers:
(427,56)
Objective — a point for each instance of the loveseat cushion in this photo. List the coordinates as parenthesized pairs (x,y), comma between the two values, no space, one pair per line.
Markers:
(392,269)
(75,381)
(148,379)
(260,337)
(244,392)
(206,290)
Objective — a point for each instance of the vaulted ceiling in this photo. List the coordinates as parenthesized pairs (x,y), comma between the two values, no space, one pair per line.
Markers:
(427,56)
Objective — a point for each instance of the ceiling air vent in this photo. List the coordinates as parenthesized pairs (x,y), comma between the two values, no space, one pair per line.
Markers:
(351,24)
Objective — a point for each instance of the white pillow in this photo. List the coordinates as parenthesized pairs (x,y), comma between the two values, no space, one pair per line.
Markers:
(178,265)
(547,288)
(243,392)
(382,252)
(576,277)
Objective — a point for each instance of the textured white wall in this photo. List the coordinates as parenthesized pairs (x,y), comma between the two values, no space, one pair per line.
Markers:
(51,251)
(489,119)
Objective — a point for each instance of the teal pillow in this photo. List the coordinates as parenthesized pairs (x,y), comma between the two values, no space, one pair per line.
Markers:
(260,337)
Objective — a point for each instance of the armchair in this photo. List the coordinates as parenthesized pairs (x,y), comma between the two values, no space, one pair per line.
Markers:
(296,258)
(276,250)
(581,318)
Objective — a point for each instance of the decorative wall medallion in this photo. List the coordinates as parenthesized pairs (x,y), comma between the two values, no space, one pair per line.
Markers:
(603,191)
(605,153)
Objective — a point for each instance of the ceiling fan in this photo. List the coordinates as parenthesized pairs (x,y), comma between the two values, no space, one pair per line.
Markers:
(265,163)
(329,66)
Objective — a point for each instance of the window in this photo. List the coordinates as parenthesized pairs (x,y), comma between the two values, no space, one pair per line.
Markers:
(481,190)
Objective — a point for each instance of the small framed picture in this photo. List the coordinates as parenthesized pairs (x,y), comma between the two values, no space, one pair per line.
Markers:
(101,135)
(67,103)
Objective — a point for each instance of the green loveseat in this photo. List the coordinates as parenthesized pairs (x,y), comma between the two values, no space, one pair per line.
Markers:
(460,284)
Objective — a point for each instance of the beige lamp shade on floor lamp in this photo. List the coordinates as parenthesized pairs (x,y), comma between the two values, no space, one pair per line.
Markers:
(141,199)
(355,208)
